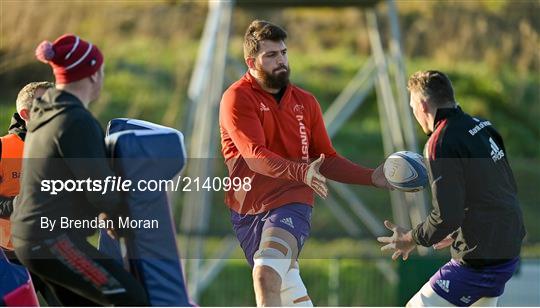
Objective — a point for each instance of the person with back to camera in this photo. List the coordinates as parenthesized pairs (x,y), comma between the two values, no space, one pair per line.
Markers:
(65,142)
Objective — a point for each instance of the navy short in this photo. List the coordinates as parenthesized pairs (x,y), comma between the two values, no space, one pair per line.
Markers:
(293,217)
(463,286)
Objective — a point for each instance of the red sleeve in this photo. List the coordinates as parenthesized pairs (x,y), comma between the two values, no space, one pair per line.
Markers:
(239,118)
(340,169)
(335,167)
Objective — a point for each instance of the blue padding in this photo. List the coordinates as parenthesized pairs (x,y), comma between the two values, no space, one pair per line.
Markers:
(12,276)
(124,124)
(146,151)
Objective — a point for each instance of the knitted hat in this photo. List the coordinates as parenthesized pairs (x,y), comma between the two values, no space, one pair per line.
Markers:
(70,57)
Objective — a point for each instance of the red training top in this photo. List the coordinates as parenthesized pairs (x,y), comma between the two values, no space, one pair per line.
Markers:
(272,144)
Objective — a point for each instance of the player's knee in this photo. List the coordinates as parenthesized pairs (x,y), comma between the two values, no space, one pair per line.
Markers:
(294,292)
(267,278)
(274,256)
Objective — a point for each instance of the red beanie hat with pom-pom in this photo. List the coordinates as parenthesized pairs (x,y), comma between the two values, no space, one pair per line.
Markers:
(70,57)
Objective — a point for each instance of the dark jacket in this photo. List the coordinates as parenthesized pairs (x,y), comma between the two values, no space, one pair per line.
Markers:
(16,127)
(474,191)
(64,142)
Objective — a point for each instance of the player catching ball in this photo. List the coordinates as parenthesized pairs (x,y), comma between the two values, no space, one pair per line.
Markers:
(273,132)
(475,205)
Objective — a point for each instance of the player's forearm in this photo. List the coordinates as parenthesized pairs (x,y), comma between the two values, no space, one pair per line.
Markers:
(340,169)
(260,159)
(448,197)
(272,165)
(433,230)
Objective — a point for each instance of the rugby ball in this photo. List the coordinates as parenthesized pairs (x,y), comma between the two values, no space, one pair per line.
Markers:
(406,171)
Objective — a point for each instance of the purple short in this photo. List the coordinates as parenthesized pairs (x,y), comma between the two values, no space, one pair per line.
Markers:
(463,286)
(293,217)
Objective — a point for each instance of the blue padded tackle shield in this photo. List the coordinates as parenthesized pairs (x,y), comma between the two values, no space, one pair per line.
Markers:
(143,151)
